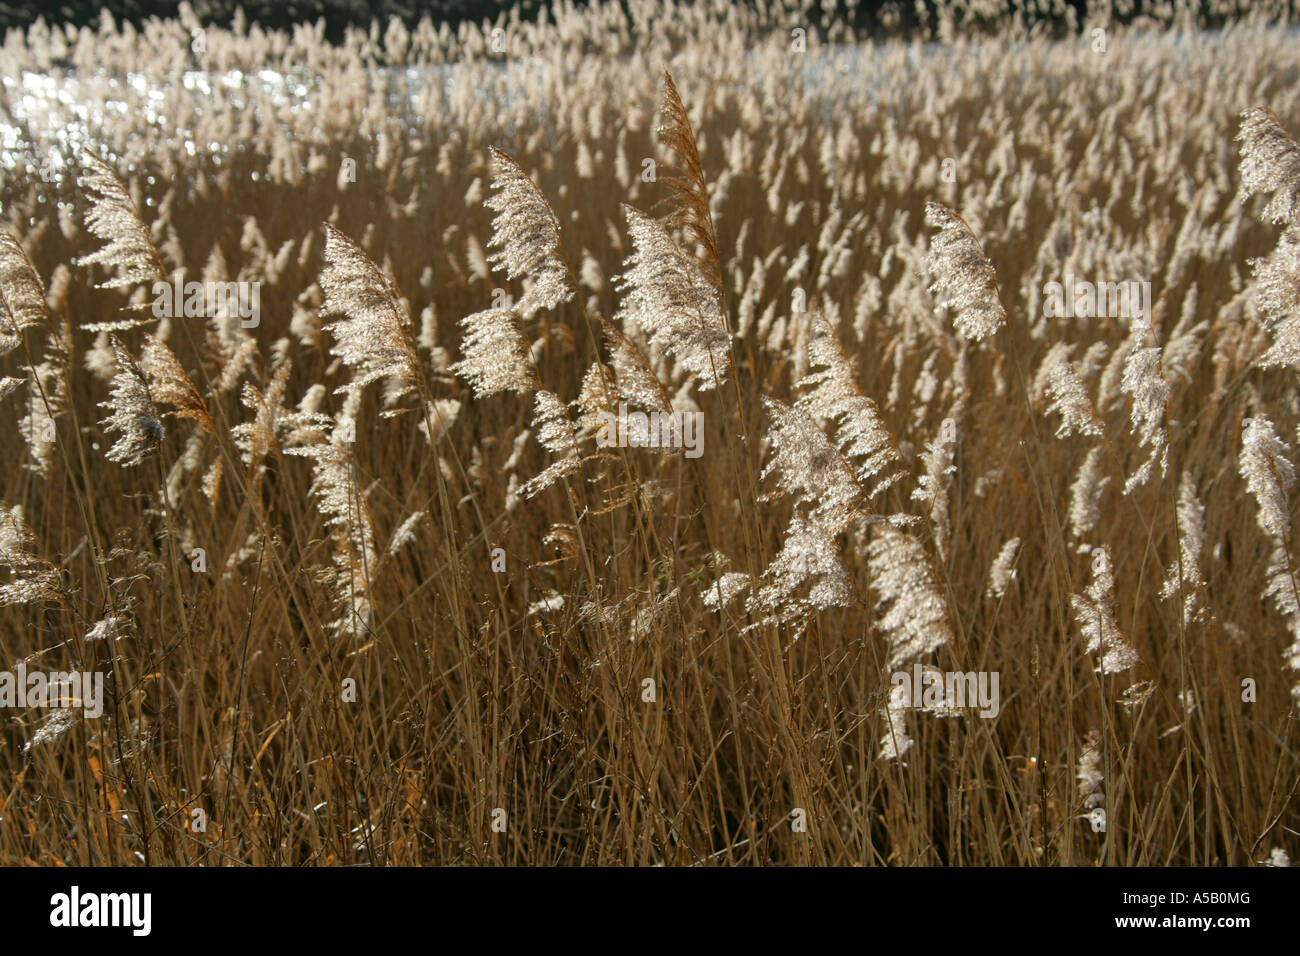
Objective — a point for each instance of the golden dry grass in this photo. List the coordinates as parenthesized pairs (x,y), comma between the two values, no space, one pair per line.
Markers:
(802,191)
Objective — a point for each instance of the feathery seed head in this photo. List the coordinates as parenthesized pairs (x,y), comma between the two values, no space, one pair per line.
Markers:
(133,415)
(1069,397)
(1268,471)
(808,555)
(964,279)
(808,466)
(1094,613)
(526,237)
(915,618)
(833,394)
(1144,382)
(496,357)
(370,331)
(1085,494)
(1270,163)
(666,295)
(1092,778)
(22,297)
(554,430)
(128,248)
(34,580)
(1003,568)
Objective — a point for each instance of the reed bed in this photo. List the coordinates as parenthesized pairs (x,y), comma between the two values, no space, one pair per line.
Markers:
(367,586)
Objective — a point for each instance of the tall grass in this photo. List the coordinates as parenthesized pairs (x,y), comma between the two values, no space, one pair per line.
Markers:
(366,585)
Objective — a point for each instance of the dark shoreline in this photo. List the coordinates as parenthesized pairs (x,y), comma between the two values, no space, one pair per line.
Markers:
(867,18)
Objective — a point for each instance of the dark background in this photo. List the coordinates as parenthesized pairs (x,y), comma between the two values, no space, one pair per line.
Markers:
(338,14)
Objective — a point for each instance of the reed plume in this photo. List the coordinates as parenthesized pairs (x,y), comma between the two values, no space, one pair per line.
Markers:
(22,296)
(33,579)
(1265,464)
(1144,382)
(668,297)
(169,385)
(1094,613)
(127,250)
(914,615)
(1003,568)
(1184,574)
(1270,163)
(371,327)
(807,575)
(964,279)
(688,189)
(1070,399)
(348,521)
(133,415)
(555,432)
(832,394)
(806,466)
(526,238)
(496,357)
